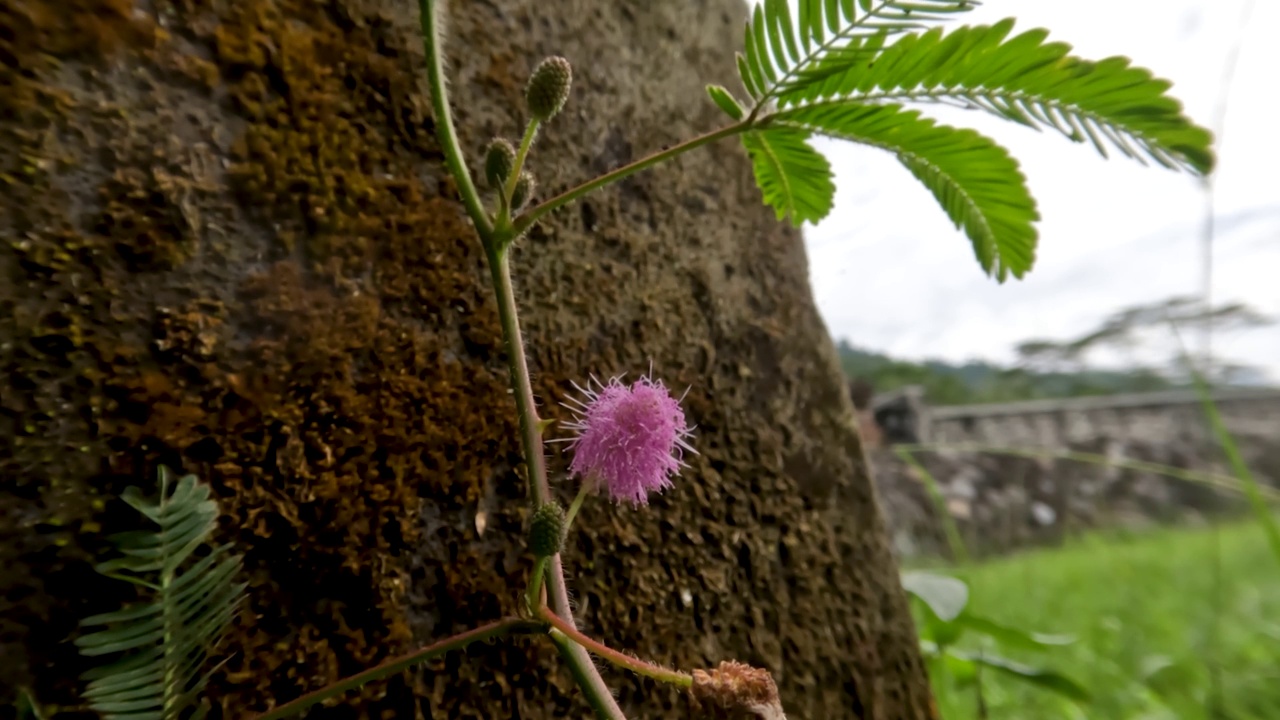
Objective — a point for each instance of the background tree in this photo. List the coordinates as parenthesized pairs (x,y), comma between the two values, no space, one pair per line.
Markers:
(230,247)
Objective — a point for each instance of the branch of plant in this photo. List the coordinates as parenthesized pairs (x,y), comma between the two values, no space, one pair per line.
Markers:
(533,593)
(580,663)
(603,705)
(530,132)
(445,132)
(522,388)
(576,505)
(531,216)
(623,660)
(501,628)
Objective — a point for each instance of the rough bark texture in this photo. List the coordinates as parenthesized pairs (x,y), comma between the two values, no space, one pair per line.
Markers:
(229,246)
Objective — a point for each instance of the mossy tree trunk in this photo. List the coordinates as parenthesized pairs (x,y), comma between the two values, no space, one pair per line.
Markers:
(230,247)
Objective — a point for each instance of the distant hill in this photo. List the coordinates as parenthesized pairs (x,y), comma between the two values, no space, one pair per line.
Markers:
(948,383)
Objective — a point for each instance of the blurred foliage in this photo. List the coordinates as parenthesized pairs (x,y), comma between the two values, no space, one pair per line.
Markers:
(947,383)
(1066,368)
(1167,624)
(944,619)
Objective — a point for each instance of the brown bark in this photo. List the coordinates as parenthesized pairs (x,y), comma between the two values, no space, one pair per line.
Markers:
(230,246)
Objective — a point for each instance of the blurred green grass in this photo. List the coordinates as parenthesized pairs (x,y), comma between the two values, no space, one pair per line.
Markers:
(1161,632)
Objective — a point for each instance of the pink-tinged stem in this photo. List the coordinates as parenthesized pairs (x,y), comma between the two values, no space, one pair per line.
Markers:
(506,626)
(635,665)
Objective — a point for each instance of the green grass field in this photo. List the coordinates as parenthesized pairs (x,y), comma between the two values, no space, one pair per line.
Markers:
(1162,630)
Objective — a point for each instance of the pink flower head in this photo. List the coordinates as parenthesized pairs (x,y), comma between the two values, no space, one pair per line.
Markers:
(630,440)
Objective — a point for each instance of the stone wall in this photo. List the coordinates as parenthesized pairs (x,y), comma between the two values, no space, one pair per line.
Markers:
(1004,479)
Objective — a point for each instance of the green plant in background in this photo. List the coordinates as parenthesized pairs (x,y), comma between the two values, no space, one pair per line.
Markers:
(1260,497)
(190,600)
(1132,661)
(27,707)
(1148,639)
(942,602)
(845,69)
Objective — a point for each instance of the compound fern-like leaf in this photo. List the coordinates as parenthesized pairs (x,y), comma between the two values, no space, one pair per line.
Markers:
(778,48)
(794,178)
(976,181)
(162,644)
(1109,103)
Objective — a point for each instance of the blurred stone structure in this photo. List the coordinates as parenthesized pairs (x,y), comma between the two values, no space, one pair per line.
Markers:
(1002,501)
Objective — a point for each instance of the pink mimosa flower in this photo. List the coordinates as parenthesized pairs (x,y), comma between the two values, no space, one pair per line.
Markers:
(630,439)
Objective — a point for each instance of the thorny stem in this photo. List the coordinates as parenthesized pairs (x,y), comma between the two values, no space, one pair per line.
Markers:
(529,217)
(506,626)
(623,660)
(521,386)
(584,670)
(603,705)
(444,119)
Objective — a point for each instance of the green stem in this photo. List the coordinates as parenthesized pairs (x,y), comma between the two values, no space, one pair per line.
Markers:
(599,696)
(506,626)
(576,505)
(533,593)
(530,132)
(530,425)
(580,663)
(603,705)
(445,132)
(528,218)
(583,669)
(635,665)
(172,621)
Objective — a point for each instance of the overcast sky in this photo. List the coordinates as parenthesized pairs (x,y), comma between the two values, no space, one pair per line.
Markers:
(891,273)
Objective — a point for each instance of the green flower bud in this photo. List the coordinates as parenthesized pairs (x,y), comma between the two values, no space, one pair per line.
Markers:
(548,88)
(499,158)
(525,186)
(546,532)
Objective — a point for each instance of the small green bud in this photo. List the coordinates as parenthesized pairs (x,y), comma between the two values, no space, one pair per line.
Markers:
(548,87)
(499,158)
(525,186)
(546,532)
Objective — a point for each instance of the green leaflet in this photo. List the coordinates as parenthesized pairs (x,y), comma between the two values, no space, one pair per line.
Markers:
(162,644)
(725,101)
(1023,78)
(795,178)
(1040,677)
(778,47)
(976,181)
(821,67)
(944,595)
